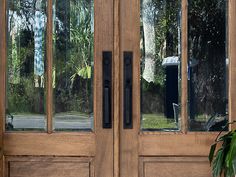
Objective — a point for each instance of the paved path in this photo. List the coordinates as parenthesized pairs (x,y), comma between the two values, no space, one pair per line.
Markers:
(61,122)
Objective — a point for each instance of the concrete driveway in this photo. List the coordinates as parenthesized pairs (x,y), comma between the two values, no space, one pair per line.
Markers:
(70,122)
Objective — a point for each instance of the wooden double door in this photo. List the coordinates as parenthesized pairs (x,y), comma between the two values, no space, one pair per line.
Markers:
(114,96)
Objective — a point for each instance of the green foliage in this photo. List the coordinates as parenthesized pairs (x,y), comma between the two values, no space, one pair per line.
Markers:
(81,38)
(74,40)
(25,98)
(73,57)
(223,160)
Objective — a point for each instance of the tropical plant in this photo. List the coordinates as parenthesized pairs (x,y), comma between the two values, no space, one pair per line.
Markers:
(222,160)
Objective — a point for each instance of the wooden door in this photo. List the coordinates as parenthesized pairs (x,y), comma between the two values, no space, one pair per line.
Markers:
(171,129)
(51,84)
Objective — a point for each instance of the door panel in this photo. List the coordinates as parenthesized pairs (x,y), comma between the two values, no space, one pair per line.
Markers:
(174,166)
(87,151)
(166,146)
(38,166)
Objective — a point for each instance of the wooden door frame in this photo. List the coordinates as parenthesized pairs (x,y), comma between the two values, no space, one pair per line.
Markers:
(97,144)
(136,144)
(232,60)
(2,80)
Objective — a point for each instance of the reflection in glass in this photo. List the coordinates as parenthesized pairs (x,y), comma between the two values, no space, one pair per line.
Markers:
(73,64)
(25,64)
(160,56)
(207,65)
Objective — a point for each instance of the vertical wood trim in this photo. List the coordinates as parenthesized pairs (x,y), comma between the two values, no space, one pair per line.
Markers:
(3,62)
(2,78)
(184,72)
(103,41)
(49,52)
(116,92)
(130,41)
(232,60)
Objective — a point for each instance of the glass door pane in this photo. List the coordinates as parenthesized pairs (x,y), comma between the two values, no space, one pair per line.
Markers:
(25,88)
(207,65)
(160,64)
(73,39)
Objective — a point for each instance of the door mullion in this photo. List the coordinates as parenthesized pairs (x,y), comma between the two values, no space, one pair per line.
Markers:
(184,65)
(49,55)
(116,86)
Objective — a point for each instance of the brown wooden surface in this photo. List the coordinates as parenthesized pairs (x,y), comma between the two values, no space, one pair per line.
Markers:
(232,60)
(174,167)
(49,51)
(116,95)
(2,78)
(129,41)
(103,42)
(60,144)
(193,144)
(184,64)
(49,166)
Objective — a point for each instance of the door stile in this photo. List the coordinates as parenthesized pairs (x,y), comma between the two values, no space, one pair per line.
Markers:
(103,39)
(129,42)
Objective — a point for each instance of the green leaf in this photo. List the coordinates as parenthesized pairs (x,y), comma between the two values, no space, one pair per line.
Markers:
(232,152)
(218,163)
(89,71)
(226,136)
(212,152)
(85,72)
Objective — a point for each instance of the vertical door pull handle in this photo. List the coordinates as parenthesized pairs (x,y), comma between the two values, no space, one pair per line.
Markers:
(107,83)
(127,105)
(128,69)
(106,105)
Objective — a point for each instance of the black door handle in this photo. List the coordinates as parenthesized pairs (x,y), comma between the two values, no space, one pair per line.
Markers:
(107,83)
(128,60)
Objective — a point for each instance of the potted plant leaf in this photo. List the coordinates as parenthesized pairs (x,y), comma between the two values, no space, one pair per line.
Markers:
(222,155)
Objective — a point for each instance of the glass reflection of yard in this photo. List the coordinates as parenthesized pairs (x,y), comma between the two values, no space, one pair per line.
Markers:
(72,71)
(157,121)
(65,120)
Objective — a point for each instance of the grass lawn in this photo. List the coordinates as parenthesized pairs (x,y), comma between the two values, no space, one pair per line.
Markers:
(157,121)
